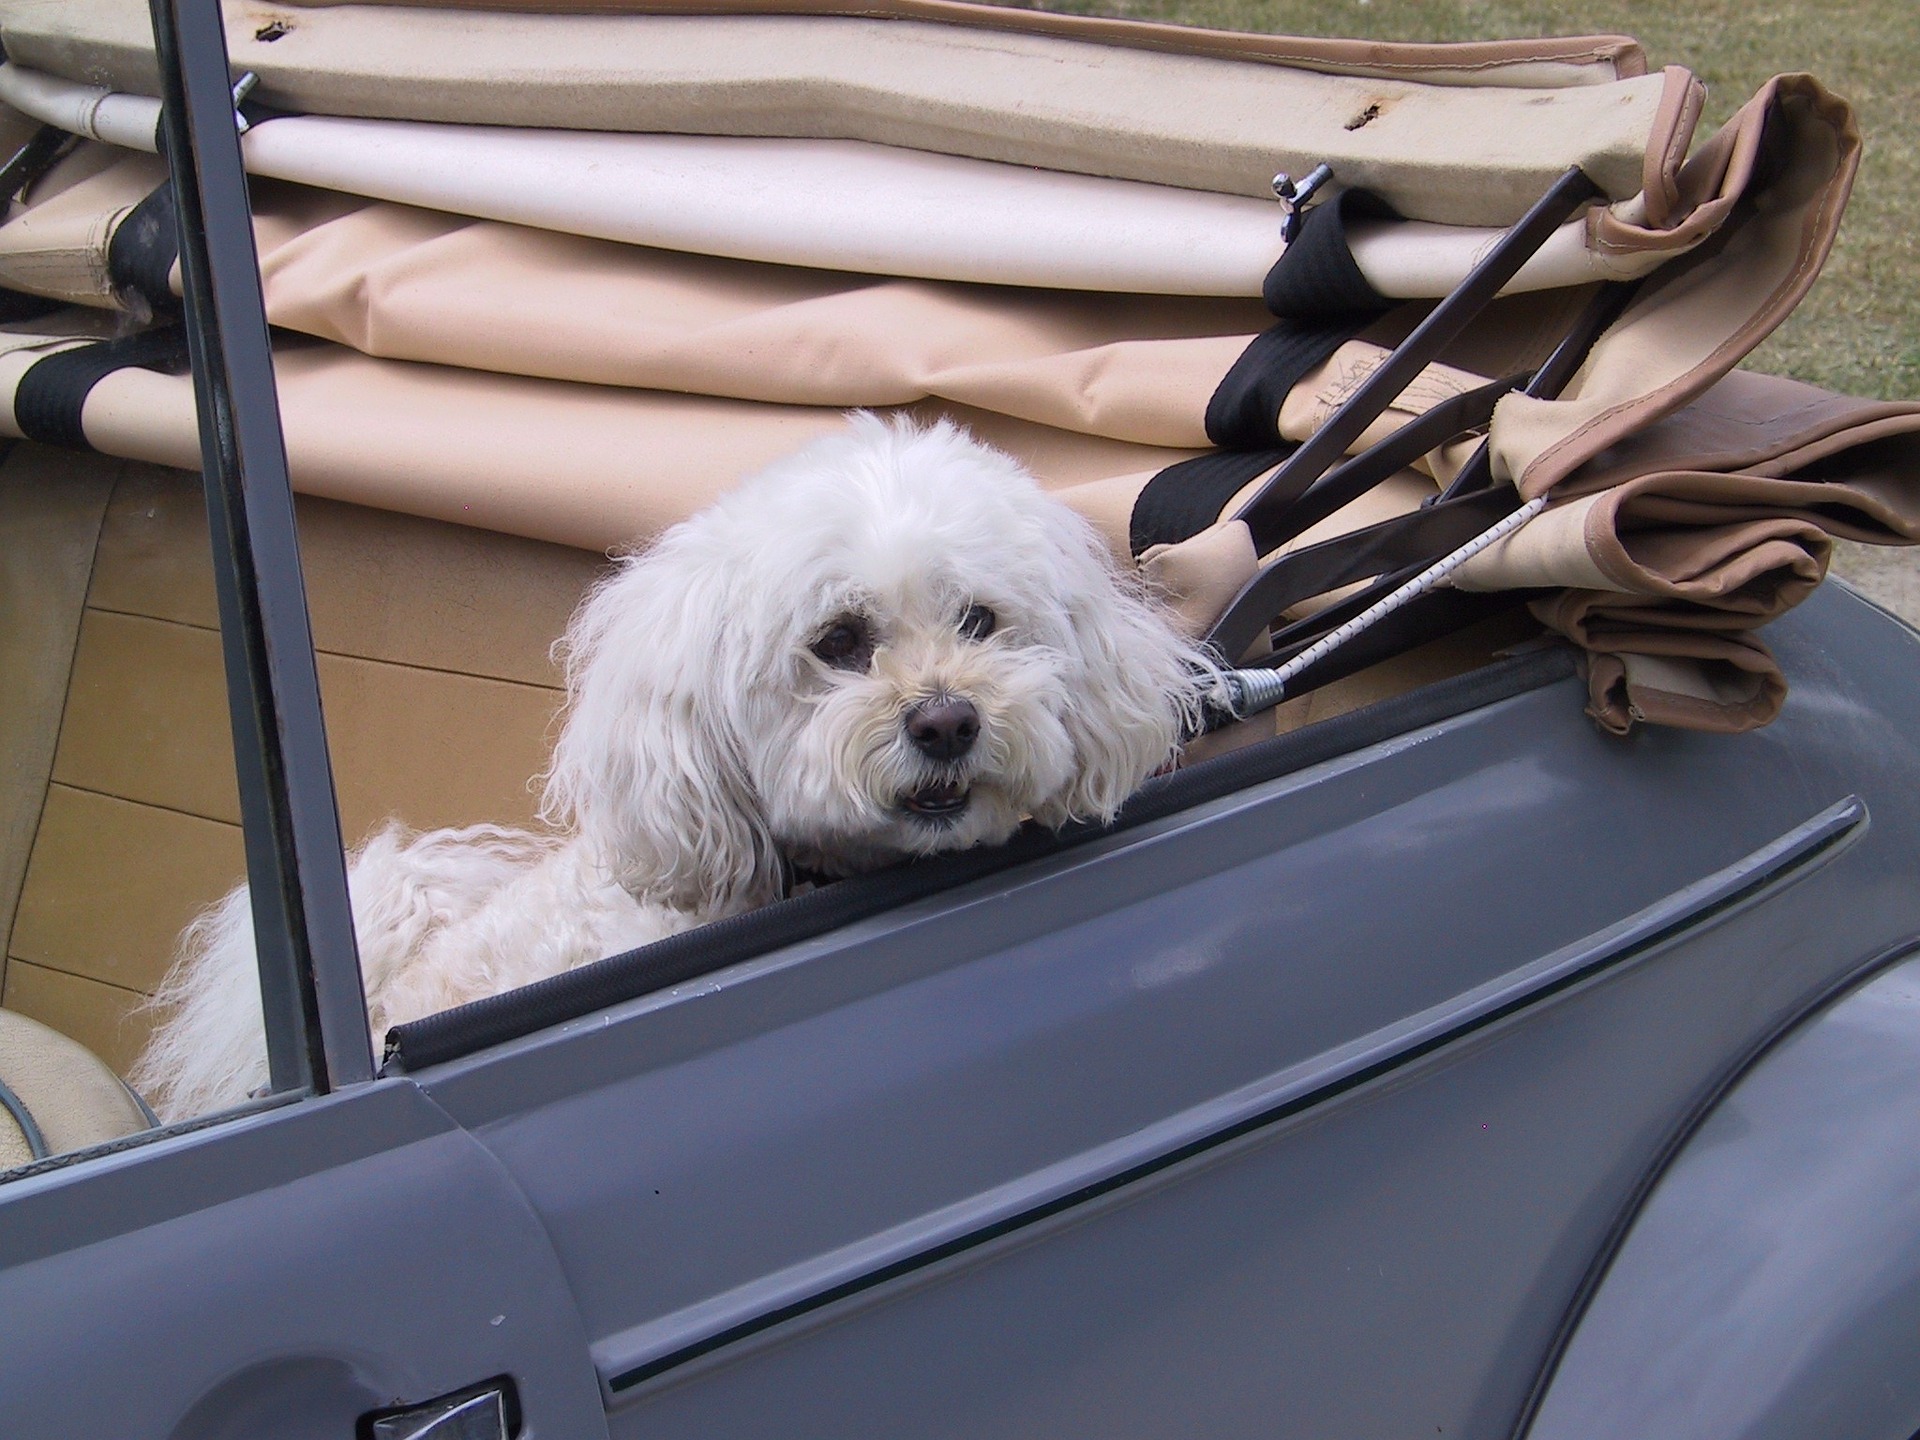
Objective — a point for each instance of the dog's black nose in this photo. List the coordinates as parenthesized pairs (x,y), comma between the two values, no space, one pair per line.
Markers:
(944,728)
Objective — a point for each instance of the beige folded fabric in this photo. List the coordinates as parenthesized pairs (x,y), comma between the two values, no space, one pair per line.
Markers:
(1456,134)
(1772,426)
(1721,683)
(1714,521)
(405,283)
(1730,503)
(1674,536)
(584,465)
(410,284)
(1695,318)
(1691,506)
(1312,402)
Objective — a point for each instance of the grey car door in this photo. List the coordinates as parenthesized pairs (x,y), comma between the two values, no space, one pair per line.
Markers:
(1302,1110)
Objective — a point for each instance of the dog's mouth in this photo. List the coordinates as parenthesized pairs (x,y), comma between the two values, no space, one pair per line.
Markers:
(940,801)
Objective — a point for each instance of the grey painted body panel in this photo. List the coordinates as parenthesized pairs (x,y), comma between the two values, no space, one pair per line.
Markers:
(1771,1286)
(280,1275)
(1310,1111)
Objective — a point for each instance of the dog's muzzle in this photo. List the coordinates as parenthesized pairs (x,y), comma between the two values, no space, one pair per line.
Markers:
(943,729)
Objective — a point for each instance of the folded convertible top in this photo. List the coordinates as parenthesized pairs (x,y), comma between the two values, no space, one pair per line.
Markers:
(569,270)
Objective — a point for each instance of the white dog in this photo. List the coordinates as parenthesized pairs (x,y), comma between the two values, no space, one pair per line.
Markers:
(887,645)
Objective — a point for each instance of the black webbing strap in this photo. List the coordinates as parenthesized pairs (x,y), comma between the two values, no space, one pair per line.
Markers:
(1413,539)
(1244,411)
(18,305)
(1184,499)
(1316,277)
(1321,299)
(141,255)
(50,397)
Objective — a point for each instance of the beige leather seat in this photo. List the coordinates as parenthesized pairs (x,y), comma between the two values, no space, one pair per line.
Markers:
(55,1095)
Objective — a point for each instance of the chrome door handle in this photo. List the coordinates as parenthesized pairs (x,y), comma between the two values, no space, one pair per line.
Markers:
(477,1413)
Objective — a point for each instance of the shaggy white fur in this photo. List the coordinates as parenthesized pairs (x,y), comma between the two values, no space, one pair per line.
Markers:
(890,644)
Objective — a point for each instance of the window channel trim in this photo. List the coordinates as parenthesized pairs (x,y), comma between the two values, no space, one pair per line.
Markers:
(303,926)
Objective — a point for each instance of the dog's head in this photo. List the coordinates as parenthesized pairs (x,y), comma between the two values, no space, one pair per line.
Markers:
(889,644)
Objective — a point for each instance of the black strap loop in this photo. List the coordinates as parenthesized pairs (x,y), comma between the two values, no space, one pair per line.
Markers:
(1244,411)
(1316,277)
(1185,498)
(141,255)
(49,400)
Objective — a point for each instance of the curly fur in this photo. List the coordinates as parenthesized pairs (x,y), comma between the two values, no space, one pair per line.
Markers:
(706,746)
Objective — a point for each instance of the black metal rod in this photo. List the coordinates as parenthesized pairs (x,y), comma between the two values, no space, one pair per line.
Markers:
(1351,479)
(303,924)
(1413,540)
(1609,302)
(1442,324)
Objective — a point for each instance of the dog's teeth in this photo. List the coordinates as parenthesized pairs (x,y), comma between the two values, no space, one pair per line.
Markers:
(939,800)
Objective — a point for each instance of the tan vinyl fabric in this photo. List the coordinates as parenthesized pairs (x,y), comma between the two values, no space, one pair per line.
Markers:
(1700,531)
(57,244)
(1312,402)
(990,89)
(1703,527)
(541,398)
(1776,178)
(1721,683)
(407,284)
(414,285)
(590,466)
(72,1098)
(1543,60)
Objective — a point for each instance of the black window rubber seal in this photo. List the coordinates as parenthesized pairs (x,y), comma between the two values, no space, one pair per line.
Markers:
(693,953)
(16,1108)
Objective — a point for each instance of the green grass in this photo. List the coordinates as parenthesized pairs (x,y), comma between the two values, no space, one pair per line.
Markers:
(1859,331)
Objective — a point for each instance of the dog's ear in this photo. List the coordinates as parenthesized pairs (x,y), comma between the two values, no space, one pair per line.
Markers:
(1139,682)
(647,767)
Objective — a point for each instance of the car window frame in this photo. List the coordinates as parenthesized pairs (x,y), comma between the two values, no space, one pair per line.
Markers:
(317,1034)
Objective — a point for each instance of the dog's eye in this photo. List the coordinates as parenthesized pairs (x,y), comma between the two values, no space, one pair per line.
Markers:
(978,623)
(846,644)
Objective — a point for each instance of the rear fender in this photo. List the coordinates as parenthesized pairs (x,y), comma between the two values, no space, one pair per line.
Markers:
(1770,1286)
